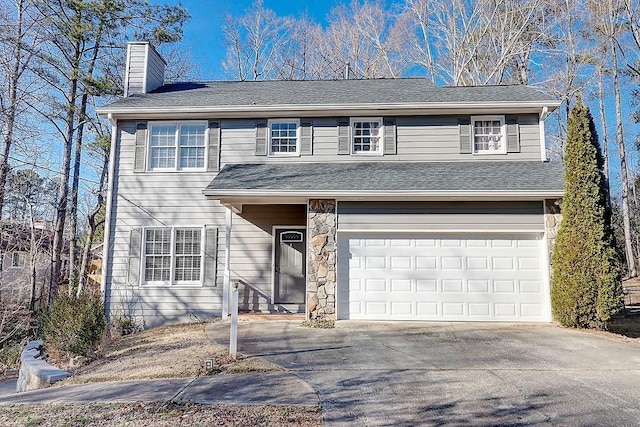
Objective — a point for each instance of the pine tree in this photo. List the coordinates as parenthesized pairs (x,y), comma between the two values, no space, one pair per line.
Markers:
(586,281)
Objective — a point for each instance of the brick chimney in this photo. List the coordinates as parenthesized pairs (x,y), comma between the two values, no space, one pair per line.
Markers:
(145,69)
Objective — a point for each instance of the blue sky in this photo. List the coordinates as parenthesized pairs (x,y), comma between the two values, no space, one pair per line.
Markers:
(203,32)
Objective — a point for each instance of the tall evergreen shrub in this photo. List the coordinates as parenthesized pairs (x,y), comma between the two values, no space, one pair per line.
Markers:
(75,326)
(586,281)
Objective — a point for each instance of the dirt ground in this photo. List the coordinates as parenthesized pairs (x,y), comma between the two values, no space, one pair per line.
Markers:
(168,351)
(164,352)
(632,295)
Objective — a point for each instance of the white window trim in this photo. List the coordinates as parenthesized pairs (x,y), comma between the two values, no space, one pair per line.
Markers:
(503,128)
(172,282)
(379,152)
(176,167)
(18,255)
(278,154)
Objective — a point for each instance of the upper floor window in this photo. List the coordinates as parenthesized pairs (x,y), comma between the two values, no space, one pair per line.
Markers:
(18,259)
(488,135)
(172,255)
(366,135)
(284,137)
(177,145)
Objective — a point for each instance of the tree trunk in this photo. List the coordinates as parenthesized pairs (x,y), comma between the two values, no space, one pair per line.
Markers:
(86,252)
(84,265)
(605,141)
(73,213)
(12,83)
(33,277)
(63,189)
(631,264)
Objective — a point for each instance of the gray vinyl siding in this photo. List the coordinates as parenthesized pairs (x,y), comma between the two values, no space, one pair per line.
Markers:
(155,71)
(424,138)
(252,250)
(135,83)
(158,200)
(174,199)
(441,216)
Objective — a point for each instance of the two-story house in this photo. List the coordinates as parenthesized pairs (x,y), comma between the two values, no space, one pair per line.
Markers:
(388,199)
(25,258)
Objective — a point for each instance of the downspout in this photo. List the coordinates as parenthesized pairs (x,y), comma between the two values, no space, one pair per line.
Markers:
(106,252)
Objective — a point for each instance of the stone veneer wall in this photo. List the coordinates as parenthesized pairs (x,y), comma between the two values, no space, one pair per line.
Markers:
(552,219)
(321,256)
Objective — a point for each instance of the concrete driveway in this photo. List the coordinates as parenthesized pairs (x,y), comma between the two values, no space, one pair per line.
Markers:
(454,373)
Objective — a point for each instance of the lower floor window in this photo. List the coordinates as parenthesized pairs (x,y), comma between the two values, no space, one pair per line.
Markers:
(172,255)
(18,259)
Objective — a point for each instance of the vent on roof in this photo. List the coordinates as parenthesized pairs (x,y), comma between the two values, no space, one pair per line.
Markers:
(145,69)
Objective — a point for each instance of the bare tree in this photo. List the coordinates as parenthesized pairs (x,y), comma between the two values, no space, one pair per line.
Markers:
(473,43)
(253,41)
(362,37)
(78,35)
(608,23)
(100,149)
(299,58)
(18,44)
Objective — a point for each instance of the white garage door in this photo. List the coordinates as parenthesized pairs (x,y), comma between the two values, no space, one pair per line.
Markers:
(494,278)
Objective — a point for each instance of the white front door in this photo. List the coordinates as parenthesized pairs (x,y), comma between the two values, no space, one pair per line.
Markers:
(442,278)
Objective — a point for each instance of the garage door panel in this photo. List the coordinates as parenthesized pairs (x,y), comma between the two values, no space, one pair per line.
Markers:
(443,278)
(426,285)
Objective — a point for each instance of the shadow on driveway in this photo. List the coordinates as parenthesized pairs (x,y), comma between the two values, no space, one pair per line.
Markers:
(453,373)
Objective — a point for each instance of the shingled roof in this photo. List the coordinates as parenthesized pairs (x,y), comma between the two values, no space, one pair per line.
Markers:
(388,177)
(325,92)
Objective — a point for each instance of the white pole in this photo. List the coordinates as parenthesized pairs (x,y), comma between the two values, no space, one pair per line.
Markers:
(227,268)
(233,335)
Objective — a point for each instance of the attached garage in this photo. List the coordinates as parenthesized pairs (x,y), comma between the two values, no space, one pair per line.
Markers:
(464,261)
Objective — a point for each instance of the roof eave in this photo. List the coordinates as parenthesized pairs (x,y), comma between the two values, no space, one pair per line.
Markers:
(313,109)
(278,196)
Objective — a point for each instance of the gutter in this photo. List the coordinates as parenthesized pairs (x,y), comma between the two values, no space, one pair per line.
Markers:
(423,107)
(383,195)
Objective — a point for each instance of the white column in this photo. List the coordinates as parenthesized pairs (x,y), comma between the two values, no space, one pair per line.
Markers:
(226,286)
(543,142)
(233,332)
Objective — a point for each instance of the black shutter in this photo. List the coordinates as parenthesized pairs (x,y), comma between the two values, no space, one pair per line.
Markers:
(213,161)
(140,147)
(464,132)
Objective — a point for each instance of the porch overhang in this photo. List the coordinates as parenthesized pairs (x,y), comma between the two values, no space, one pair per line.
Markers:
(276,183)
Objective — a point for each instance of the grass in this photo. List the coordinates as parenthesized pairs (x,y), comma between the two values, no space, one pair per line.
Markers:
(322,324)
(157,414)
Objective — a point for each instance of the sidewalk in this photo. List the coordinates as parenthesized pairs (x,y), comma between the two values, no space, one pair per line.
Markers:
(251,388)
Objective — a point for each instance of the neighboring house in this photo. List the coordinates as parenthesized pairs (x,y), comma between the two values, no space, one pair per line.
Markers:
(94,269)
(388,199)
(17,275)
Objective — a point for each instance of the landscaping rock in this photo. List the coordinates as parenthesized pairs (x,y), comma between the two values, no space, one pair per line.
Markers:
(35,373)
